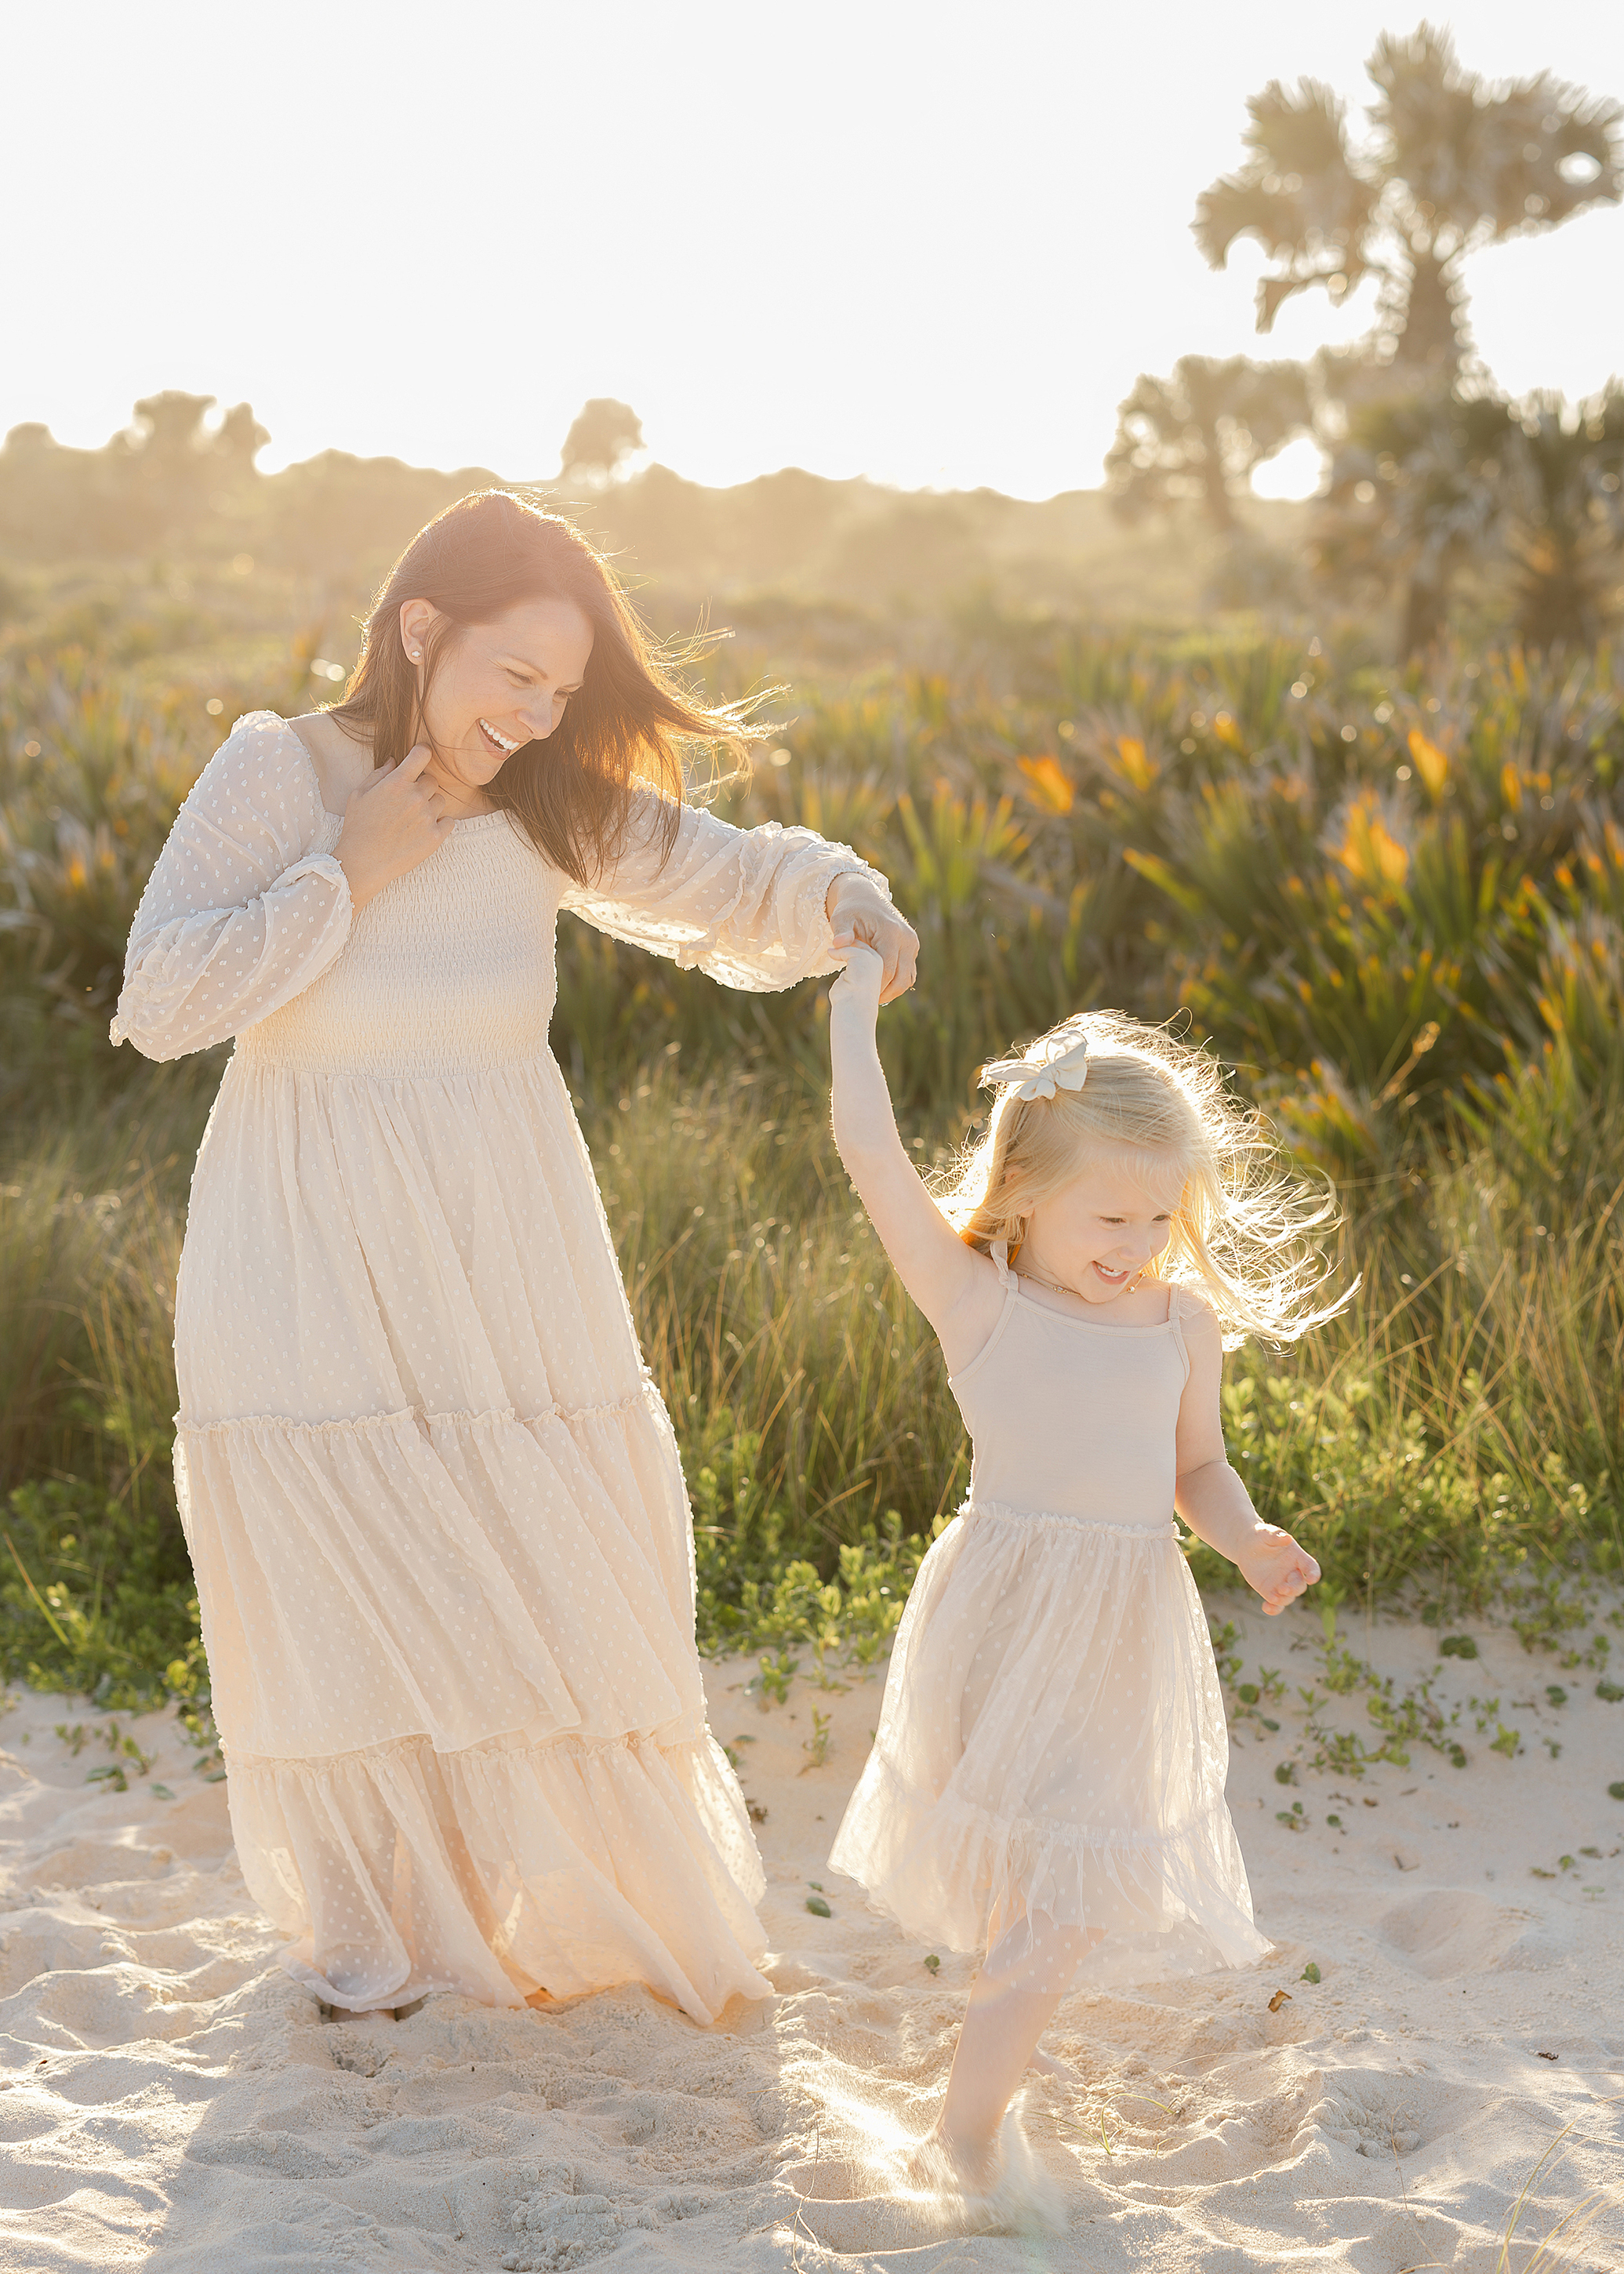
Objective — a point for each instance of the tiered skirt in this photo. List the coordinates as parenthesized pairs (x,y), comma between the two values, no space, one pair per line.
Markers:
(443,1554)
(1047,1776)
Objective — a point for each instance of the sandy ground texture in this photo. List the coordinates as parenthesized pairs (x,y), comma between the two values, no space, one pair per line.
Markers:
(171,2099)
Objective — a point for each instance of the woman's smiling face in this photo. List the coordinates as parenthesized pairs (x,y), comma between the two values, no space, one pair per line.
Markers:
(497,686)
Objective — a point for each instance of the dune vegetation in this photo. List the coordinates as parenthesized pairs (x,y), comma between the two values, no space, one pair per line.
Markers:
(1392,899)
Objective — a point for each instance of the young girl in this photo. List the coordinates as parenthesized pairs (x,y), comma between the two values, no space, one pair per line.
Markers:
(1047,1780)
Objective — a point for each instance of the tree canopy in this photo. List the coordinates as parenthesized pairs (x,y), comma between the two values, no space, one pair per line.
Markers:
(604,435)
(1197,435)
(1453,163)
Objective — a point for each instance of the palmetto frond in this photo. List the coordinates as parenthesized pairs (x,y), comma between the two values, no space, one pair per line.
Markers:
(1478,161)
(1299,194)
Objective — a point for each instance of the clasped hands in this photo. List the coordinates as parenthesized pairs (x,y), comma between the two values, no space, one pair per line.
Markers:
(862,916)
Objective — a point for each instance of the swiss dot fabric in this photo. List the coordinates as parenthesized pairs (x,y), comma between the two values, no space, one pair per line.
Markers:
(432,1499)
(1047,1780)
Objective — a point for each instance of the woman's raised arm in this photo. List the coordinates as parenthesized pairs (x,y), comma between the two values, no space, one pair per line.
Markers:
(748,905)
(240,912)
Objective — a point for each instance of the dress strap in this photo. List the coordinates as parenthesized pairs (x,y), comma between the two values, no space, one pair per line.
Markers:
(1175,1320)
(1000,1254)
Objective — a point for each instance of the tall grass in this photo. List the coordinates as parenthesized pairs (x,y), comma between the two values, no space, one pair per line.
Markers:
(1461,1419)
(766,1306)
(1376,893)
(1398,903)
(1459,1423)
(95,1588)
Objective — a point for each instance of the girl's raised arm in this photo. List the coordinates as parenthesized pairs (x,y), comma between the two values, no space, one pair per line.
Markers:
(957,1289)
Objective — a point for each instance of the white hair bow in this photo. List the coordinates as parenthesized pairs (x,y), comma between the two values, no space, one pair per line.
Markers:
(1067,1067)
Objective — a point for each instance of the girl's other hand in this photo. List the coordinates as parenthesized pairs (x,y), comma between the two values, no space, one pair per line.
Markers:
(860,914)
(1279,1570)
(392,823)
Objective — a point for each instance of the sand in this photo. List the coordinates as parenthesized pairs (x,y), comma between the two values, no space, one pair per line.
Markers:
(171,2099)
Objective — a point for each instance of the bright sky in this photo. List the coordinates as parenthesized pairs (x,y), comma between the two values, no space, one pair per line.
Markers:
(923,240)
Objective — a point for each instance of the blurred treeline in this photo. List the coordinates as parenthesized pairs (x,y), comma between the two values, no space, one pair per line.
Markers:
(168,541)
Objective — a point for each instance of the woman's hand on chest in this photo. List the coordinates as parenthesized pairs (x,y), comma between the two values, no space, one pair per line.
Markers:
(392,823)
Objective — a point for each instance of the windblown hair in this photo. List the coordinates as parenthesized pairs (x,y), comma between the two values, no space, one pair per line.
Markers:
(573,793)
(1244,1227)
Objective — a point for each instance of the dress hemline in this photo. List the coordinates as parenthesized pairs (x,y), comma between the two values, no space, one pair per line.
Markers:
(504,1872)
(948,1873)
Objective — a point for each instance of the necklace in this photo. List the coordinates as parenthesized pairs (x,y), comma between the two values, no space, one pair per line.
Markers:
(1058,1287)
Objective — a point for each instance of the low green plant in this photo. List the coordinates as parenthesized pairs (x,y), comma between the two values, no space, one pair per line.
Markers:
(816,1747)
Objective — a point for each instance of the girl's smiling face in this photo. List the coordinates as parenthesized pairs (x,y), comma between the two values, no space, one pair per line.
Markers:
(1099,1233)
(496,686)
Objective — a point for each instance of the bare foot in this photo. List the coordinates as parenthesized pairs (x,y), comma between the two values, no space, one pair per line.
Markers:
(374,2013)
(1046,2065)
(930,2174)
(939,2165)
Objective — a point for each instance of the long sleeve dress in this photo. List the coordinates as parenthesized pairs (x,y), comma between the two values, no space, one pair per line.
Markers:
(433,1497)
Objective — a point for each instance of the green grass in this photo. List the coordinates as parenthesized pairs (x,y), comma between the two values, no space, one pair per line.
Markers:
(1398,904)
(1456,1431)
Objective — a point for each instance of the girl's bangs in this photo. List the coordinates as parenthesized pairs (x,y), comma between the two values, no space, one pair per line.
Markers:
(1162,1172)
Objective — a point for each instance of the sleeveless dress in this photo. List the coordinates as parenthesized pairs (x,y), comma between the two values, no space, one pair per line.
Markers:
(1048,1775)
(433,1498)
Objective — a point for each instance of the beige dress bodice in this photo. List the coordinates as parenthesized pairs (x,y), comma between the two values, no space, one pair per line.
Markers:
(1074,1416)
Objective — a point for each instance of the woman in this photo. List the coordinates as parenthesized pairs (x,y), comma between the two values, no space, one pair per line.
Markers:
(433,1498)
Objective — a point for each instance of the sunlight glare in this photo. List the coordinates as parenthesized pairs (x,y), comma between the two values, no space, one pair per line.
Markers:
(1294,473)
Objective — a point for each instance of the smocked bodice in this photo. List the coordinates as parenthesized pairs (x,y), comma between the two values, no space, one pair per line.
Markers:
(1074,1416)
(449,969)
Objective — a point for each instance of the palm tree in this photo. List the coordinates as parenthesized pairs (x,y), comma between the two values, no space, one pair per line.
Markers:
(1427,485)
(1416,493)
(1564,485)
(1199,435)
(1455,163)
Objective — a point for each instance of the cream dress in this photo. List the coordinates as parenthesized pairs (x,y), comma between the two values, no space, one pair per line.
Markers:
(431,1495)
(1048,1777)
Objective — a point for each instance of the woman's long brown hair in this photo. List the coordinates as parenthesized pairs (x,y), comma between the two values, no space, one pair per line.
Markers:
(573,792)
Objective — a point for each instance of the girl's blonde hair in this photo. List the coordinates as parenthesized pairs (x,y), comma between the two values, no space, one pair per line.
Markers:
(1243,1226)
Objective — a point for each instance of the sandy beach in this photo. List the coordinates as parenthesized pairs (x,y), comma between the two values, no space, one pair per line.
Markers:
(171,2099)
